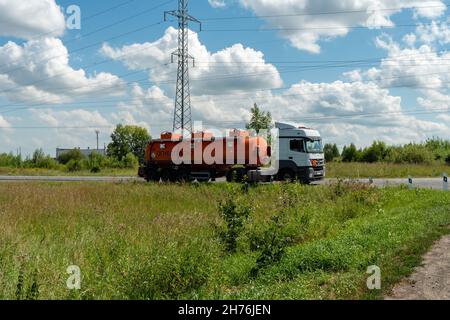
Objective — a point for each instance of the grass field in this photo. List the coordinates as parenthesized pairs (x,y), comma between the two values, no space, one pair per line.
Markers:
(146,241)
(334,170)
(384,170)
(7,171)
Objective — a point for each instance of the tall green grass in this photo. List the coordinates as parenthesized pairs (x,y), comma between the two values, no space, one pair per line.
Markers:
(384,170)
(151,241)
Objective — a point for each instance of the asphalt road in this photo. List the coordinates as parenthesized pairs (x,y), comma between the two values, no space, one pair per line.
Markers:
(430,183)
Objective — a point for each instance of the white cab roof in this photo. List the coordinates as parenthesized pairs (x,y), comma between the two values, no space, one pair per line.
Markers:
(290,130)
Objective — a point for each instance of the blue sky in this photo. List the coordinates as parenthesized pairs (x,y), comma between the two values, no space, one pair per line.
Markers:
(57,86)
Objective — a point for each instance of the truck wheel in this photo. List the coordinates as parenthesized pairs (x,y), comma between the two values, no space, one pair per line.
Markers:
(165,175)
(173,176)
(183,176)
(286,175)
(155,177)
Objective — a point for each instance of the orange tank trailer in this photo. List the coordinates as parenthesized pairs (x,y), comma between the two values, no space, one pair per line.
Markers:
(203,157)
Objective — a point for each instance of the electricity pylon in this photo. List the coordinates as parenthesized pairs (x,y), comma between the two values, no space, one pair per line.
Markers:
(182,119)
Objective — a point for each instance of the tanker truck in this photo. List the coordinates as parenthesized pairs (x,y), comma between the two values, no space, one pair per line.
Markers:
(295,153)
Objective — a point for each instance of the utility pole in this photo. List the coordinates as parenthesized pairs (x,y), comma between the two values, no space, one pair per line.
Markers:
(182,119)
(97,132)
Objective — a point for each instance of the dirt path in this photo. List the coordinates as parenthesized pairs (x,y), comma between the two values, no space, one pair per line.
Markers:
(430,281)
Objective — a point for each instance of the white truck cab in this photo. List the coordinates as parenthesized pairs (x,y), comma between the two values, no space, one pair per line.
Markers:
(300,153)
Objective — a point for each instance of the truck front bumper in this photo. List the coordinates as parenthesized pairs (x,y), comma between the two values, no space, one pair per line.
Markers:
(316,173)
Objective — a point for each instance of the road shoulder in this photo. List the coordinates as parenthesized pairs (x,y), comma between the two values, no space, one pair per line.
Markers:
(431,280)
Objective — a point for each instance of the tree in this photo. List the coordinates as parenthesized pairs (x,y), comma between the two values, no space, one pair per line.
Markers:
(328,151)
(260,120)
(350,154)
(336,153)
(331,152)
(74,154)
(128,139)
(375,153)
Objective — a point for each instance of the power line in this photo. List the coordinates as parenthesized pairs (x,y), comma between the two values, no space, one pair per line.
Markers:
(319,13)
(391,58)
(250,75)
(315,28)
(71,104)
(309,119)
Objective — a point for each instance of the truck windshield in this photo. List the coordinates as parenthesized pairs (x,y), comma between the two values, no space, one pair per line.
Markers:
(314,146)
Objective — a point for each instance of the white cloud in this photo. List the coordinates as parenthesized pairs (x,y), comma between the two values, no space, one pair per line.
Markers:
(39,71)
(81,132)
(410,39)
(343,112)
(31,18)
(4,123)
(216,72)
(71,118)
(436,32)
(325,26)
(217,3)
(145,107)
(421,68)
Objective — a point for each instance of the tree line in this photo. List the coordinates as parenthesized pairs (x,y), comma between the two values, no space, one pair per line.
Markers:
(126,150)
(431,151)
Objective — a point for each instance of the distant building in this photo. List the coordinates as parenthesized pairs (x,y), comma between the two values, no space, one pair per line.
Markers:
(86,152)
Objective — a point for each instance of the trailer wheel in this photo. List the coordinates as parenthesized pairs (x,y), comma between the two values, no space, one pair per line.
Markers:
(183,176)
(286,175)
(154,175)
(165,175)
(173,175)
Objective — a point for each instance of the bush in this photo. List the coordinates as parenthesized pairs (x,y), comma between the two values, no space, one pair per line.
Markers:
(95,162)
(234,217)
(411,153)
(74,165)
(447,160)
(41,160)
(10,160)
(375,153)
(74,154)
(130,161)
(272,244)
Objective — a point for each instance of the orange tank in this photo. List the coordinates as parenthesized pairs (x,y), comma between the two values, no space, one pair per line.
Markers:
(203,150)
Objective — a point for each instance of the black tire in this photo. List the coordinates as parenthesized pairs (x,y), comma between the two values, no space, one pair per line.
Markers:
(165,175)
(173,176)
(183,176)
(286,175)
(154,175)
